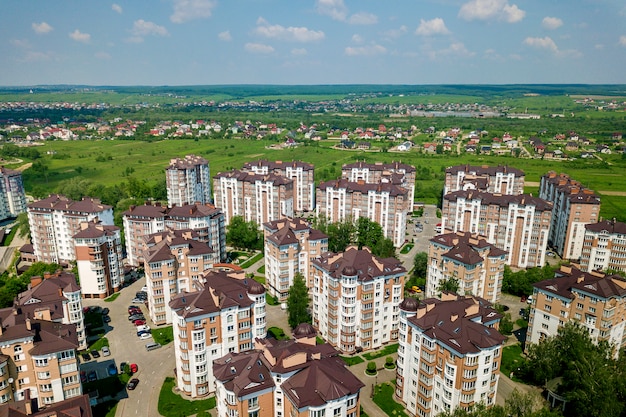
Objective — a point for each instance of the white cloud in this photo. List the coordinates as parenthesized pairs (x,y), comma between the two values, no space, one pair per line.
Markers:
(395,33)
(34,56)
(225,36)
(258,48)
(551,23)
(491,10)
(142,28)
(363,18)
(21,43)
(102,55)
(622,40)
(293,34)
(368,50)
(598,46)
(42,27)
(333,8)
(79,36)
(299,51)
(185,10)
(435,26)
(116,8)
(542,43)
(356,38)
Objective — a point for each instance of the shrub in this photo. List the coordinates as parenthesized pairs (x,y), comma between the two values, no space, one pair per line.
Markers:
(371,368)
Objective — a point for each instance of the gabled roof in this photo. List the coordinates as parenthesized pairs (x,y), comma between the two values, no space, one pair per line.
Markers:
(503,200)
(359,262)
(62,203)
(608,226)
(569,280)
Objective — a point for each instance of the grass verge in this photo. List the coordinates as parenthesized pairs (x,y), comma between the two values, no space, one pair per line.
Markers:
(163,335)
(252,260)
(172,405)
(387,350)
(352,360)
(407,248)
(383,397)
(112,297)
(511,360)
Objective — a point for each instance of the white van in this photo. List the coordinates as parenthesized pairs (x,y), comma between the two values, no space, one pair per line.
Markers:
(152,346)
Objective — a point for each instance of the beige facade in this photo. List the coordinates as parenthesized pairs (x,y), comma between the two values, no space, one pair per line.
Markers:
(595,300)
(290,378)
(188,181)
(291,245)
(255,197)
(355,299)
(397,173)
(55,220)
(574,207)
(497,180)
(175,260)
(604,246)
(449,355)
(224,313)
(301,173)
(99,259)
(384,203)
(477,265)
(517,224)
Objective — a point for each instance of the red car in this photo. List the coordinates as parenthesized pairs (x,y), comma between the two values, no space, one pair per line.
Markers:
(132,311)
(134,368)
(139,322)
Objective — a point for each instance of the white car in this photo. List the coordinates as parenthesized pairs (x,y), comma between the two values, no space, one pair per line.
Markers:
(106,351)
(144,288)
(142,327)
(145,336)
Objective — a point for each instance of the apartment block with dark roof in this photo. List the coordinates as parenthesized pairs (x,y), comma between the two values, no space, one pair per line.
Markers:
(574,207)
(604,246)
(384,203)
(291,245)
(56,219)
(593,299)
(99,259)
(12,195)
(224,314)
(301,173)
(355,299)
(517,224)
(295,377)
(497,180)
(449,354)
(188,181)
(75,407)
(477,265)
(174,261)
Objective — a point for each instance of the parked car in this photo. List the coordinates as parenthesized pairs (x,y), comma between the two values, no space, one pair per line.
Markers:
(134,368)
(106,319)
(138,300)
(145,336)
(144,289)
(143,327)
(133,312)
(95,353)
(106,351)
(140,332)
(112,369)
(133,309)
(136,317)
(139,322)
(86,357)
(83,376)
(132,384)
(105,311)
(122,365)
(132,306)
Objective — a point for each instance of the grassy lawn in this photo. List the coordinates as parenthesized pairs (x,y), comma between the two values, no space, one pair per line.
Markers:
(383,397)
(277,333)
(163,335)
(270,300)
(387,350)
(352,360)
(252,260)
(259,279)
(261,270)
(511,360)
(10,236)
(112,298)
(103,341)
(172,405)
(406,248)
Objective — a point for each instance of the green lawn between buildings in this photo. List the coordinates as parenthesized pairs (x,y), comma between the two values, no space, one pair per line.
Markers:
(173,405)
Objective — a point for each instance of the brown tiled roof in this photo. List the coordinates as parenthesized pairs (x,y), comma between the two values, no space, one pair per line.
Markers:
(360,263)
(73,407)
(193,210)
(467,248)
(251,177)
(458,324)
(60,202)
(189,161)
(147,210)
(500,199)
(161,244)
(362,187)
(484,170)
(609,226)
(46,295)
(394,166)
(569,279)
(243,373)
(278,165)
(94,230)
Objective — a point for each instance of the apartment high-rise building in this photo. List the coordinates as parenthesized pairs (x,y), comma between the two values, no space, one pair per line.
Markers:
(286,378)
(141,221)
(55,220)
(55,297)
(496,180)
(595,300)
(75,406)
(301,173)
(574,207)
(290,247)
(517,224)
(224,314)
(188,181)
(355,299)
(12,196)
(383,203)
(99,259)
(255,197)
(477,265)
(396,173)
(173,260)
(604,246)
(449,354)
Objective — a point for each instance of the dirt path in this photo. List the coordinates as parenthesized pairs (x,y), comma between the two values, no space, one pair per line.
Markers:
(24,167)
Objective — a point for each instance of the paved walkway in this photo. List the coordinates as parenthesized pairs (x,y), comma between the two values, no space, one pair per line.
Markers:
(384,375)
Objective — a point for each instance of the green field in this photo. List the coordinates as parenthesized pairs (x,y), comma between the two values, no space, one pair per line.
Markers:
(148,160)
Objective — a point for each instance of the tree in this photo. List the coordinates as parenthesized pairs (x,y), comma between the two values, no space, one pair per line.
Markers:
(449,285)
(23,224)
(420,265)
(242,234)
(298,302)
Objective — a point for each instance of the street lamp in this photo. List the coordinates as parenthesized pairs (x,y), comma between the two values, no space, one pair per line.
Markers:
(10,381)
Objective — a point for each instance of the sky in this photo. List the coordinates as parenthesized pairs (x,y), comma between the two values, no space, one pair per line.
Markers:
(311,42)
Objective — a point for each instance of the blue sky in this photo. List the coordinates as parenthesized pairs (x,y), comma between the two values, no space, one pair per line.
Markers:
(209,42)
